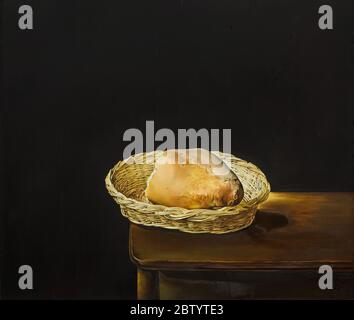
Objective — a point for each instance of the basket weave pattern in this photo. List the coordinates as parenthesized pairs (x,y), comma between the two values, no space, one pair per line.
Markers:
(126,183)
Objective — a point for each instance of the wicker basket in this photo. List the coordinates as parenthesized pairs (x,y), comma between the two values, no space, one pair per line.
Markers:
(126,183)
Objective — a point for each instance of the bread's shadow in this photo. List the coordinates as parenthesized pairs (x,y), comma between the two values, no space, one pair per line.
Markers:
(266,221)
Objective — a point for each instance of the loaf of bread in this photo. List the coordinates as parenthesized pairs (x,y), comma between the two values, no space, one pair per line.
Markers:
(193,178)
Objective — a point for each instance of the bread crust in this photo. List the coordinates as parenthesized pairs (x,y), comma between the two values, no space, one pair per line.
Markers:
(193,179)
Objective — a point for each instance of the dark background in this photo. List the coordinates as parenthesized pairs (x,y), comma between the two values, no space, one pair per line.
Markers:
(92,69)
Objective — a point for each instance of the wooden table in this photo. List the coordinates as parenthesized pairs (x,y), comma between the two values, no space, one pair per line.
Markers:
(277,257)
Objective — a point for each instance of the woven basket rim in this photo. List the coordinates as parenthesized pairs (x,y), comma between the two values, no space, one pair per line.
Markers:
(161,209)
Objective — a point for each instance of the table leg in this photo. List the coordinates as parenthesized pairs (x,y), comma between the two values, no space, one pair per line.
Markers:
(148,287)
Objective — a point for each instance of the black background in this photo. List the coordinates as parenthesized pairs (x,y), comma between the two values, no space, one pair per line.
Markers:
(92,69)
